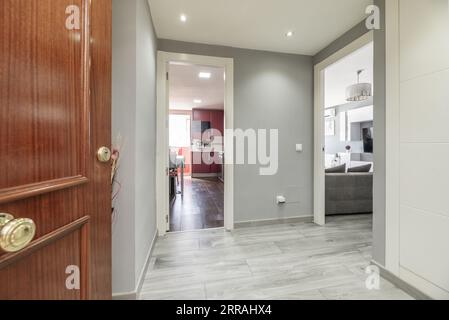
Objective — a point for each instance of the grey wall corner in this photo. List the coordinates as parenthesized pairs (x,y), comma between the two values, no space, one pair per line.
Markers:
(351,35)
(134,113)
(379,224)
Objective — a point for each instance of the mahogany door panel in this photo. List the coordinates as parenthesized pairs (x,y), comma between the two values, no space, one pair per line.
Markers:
(53,120)
(43,282)
(42,93)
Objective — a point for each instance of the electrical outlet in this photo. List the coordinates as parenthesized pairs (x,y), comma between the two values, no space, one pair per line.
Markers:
(281,200)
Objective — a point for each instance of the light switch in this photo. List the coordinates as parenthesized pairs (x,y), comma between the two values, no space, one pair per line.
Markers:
(299,148)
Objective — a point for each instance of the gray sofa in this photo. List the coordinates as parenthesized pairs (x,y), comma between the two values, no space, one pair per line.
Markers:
(349,193)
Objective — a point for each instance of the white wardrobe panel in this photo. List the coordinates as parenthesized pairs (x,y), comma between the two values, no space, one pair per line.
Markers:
(424,41)
(425,108)
(424,177)
(424,244)
(423,147)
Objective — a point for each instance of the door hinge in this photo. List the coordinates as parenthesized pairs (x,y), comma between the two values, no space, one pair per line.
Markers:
(166,218)
(167,75)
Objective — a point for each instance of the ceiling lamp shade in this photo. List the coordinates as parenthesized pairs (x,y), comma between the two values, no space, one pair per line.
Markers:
(359,91)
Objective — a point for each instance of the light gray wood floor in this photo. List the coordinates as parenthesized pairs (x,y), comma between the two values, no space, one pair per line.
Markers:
(299,261)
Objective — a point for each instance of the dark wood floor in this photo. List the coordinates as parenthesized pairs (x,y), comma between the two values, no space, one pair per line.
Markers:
(200,208)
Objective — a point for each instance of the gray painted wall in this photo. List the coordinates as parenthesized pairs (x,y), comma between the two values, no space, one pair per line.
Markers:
(133,109)
(145,198)
(271,91)
(379,122)
(123,118)
(351,35)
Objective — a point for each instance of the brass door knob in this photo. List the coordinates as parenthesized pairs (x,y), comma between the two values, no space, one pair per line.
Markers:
(15,234)
(104,154)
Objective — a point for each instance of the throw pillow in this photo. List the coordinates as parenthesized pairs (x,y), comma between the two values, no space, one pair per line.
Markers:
(338,169)
(364,168)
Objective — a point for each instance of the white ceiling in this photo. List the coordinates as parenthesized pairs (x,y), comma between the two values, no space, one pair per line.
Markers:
(258,24)
(186,86)
(343,73)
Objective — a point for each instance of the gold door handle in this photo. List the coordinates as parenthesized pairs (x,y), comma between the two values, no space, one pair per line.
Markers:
(104,154)
(15,234)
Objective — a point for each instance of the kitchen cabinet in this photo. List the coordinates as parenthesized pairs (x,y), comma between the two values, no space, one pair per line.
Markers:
(201,159)
(201,115)
(216,166)
(199,165)
(217,120)
(206,162)
(214,117)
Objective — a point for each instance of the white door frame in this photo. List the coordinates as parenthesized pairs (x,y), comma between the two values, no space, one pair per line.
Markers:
(392,127)
(162,154)
(319,138)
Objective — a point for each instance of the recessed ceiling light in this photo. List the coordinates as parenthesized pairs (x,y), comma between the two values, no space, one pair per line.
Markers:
(289,34)
(183,18)
(204,75)
(197,101)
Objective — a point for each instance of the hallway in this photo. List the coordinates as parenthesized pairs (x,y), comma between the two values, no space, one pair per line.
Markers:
(286,261)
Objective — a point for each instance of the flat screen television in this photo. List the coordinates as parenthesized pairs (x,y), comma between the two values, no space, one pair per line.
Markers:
(368,137)
(205,125)
(200,126)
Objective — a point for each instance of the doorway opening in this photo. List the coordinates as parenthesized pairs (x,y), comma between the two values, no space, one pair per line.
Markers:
(196,146)
(344,133)
(195,117)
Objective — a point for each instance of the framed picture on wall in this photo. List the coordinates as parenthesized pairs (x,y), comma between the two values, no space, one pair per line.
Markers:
(329,127)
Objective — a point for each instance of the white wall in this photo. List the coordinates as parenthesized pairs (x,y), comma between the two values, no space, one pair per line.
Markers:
(145,221)
(133,108)
(123,118)
(336,144)
(418,210)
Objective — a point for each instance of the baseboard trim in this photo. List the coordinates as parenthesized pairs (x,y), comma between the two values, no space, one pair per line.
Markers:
(205,175)
(268,222)
(147,264)
(136,293)
(401,284)
(125,296)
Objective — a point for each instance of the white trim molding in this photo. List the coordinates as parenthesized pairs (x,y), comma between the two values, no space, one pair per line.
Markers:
(269,222)
(392,137)
(162,197)
(401,284)
(319,138)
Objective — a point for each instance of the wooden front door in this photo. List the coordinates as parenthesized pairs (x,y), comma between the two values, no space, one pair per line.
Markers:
(55,112)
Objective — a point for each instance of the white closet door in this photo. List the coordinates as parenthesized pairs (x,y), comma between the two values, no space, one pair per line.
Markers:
(424,145)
